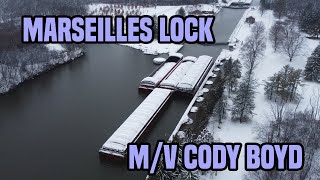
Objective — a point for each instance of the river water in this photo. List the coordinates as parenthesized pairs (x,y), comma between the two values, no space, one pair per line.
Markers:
(52,127)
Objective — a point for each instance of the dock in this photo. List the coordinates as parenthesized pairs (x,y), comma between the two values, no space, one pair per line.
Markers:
(136,123)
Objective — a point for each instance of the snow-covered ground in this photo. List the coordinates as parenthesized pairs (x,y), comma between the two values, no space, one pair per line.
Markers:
(55,47)
(154,47)
(231,1)
(97,9)
(271,63)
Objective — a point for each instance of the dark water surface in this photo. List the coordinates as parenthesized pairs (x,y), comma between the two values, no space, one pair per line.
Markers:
(52,127)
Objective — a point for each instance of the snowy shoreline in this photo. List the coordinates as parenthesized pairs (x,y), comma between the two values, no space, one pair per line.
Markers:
(271,63)
(38,69)
(184,118)
(153,48)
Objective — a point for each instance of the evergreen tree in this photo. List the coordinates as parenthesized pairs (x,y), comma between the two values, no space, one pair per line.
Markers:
(181,173)
(232,72)
(188,175)
(181,12)
(279,8)
(263,6)
(271,86)
(221,108)
(155,26)
(284,84)
(235,75)
(243,102)
(312,70)
(227,68)
(310,21)
(275,34)
(208,105)
(161,173)
(204,137)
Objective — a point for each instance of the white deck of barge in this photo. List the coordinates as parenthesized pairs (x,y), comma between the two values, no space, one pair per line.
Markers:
(194,74)
(136,123)
(159,75)
(153,80)
(173,80)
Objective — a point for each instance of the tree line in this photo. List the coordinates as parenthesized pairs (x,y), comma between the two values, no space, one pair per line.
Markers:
(158,2)
(285,35)
(251,53)
(306,13)
(19,64)
(288,125)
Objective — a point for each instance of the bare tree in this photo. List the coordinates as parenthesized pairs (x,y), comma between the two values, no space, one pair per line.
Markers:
(254,47)
(258,30)
(292,42)
(276,35)
(289,126)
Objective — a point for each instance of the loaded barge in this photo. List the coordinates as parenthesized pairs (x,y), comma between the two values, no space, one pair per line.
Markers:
(135,124)
(185,76)
(175,77)
(191,82)
(154,79)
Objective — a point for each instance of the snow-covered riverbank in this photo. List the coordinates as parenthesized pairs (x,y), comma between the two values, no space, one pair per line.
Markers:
(271,63)
(153,48)
(230,131)
(19,70)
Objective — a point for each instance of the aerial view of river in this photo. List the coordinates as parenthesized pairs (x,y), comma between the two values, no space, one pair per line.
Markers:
(52,127)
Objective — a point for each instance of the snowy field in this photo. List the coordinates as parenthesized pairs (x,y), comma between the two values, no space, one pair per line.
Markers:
(153,48)
(270,64)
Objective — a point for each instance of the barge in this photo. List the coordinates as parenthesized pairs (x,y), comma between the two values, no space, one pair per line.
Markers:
(191,82)
(175,77)
(154,79)
(135,125)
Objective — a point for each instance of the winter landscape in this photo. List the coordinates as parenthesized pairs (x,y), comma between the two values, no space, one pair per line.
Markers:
(62,104)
